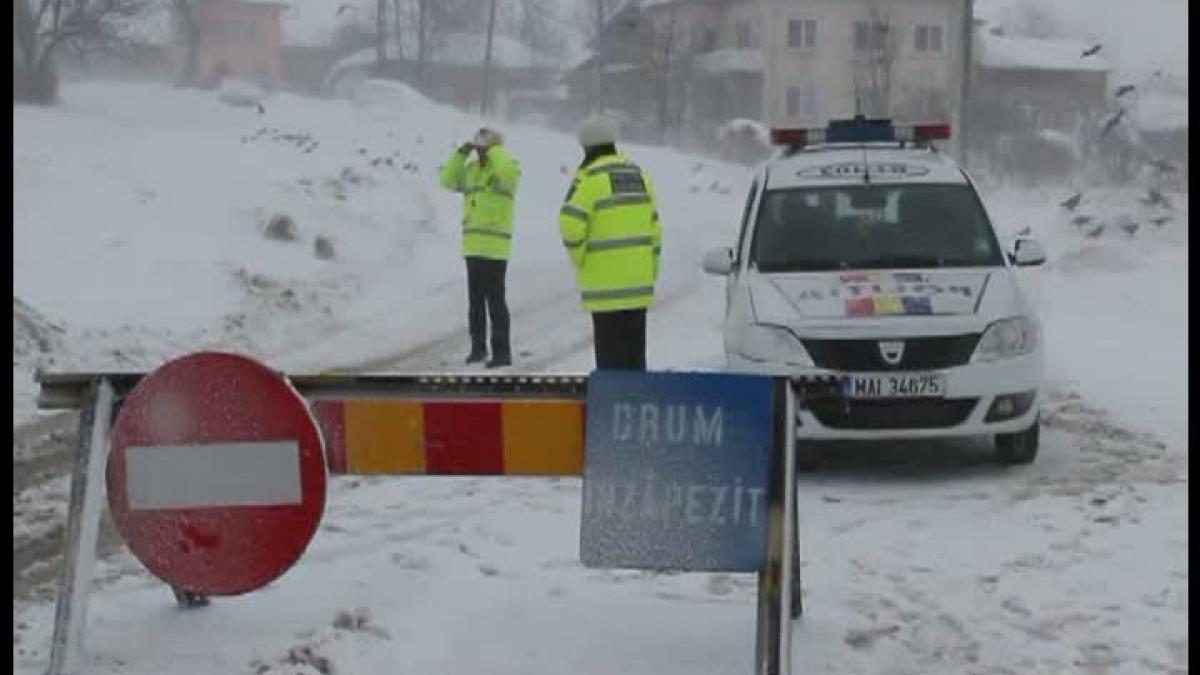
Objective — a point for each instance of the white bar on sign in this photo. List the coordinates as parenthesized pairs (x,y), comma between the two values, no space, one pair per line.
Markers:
(213,475)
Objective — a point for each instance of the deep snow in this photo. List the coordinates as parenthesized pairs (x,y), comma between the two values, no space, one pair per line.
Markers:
(136,230)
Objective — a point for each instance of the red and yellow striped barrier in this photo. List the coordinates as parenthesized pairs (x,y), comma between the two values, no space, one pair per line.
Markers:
(536,437)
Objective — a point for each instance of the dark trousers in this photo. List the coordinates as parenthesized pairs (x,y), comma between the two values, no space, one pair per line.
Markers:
(620,339)
(485,294)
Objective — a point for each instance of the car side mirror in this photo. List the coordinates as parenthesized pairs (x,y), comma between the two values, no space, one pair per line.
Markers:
(1028,252)
(719,261)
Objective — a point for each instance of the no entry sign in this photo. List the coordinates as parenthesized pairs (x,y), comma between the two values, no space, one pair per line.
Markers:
(216,477)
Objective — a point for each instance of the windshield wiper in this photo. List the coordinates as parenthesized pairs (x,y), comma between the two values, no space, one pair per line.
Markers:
(884,262)
(801,266)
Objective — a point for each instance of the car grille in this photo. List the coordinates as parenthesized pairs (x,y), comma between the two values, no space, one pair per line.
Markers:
(921,353)
(869,414)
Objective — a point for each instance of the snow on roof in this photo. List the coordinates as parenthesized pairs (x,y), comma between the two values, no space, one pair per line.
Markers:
(731,61)
(151,27)
(1018,53)
(458,49)
(468,49)
(313,23)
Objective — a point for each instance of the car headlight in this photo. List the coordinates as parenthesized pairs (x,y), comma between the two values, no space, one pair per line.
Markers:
(1007,338)
(771,344)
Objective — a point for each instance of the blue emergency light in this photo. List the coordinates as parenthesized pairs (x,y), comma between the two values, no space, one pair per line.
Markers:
(860,130)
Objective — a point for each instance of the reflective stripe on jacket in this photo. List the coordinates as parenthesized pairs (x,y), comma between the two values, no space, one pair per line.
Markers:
(488,194)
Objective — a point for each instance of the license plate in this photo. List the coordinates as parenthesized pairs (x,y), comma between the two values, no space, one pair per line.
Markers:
(898,385)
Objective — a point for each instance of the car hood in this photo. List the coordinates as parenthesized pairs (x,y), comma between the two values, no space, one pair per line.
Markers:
(956,298)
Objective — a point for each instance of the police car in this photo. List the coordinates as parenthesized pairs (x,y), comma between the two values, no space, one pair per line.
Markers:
(866,256)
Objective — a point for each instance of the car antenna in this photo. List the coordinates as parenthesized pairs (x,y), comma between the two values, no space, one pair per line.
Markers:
(859,118)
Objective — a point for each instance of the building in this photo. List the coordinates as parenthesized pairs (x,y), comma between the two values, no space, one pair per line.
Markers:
(1029,83)
(241,38)
(699,63)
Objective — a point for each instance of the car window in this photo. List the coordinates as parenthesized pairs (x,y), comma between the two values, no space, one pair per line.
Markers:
(873,227)
(741,241)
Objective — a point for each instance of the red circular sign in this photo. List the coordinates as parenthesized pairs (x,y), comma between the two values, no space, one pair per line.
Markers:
(216,476)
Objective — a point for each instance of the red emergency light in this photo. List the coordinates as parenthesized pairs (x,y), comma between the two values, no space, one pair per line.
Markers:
(926,132)
(796,137)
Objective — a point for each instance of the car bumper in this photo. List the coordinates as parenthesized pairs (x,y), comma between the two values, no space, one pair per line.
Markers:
(971,391)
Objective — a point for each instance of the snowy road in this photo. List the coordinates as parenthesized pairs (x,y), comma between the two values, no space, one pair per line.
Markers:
(916,558)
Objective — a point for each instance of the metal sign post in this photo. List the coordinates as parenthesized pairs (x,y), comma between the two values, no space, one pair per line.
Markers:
(83,527)
(778,600)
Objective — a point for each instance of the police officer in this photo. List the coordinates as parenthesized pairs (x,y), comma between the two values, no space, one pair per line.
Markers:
(488,184)
(610,227)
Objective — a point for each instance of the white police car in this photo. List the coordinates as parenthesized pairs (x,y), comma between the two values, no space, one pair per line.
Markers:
(865,254)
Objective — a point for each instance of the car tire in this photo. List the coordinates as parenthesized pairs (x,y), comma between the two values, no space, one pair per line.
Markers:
(1020,447)
(808,456)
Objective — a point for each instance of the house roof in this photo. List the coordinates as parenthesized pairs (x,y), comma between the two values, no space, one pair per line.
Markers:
(1003,52)
(460,49)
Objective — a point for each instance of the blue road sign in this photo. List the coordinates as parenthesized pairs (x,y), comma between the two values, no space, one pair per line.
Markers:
(676,471)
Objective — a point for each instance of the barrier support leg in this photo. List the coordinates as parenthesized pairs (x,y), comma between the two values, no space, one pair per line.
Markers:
(773,633)
(83,527)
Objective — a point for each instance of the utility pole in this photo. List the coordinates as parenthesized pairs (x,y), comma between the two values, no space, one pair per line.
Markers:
(485,104)
(380,34)
(597,77)
(968,32)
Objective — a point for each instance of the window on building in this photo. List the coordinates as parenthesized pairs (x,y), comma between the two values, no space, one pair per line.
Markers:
(801,101)
(802,33)
(744,39)
(870,36)
(708,40)
(928,39)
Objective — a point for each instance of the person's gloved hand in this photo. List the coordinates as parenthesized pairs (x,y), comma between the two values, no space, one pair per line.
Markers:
(466,148)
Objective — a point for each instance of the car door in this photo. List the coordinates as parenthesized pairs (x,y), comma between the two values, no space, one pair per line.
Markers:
(741,250)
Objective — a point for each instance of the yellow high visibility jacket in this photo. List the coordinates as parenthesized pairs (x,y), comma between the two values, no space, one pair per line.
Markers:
(610,227)
(488,195)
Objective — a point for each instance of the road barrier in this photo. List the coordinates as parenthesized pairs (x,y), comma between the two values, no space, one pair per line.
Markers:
(681,471)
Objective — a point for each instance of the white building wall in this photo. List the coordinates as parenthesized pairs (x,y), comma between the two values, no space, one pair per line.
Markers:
(829,68)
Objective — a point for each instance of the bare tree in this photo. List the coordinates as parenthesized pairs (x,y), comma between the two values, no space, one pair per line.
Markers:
(188,30)
(591,16)
(669,68)
(876,47)
(381,32)
(427,22)
(537,24)
(1034,21)
(42,27)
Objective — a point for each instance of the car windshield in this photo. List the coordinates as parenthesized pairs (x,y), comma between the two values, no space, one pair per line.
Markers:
(873,227)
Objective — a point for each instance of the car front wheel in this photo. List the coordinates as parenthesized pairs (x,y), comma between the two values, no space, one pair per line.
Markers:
(1020,447)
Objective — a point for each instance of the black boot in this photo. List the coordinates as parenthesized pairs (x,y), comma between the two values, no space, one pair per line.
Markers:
(476,356)
(500,361)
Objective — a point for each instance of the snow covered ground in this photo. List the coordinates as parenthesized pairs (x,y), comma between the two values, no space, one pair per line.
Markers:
(137,221)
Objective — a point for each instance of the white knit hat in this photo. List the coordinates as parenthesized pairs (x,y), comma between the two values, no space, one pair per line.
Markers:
(487,137)
(598,130)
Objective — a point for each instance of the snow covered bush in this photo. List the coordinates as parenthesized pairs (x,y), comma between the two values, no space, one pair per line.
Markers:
(323,248)
(240,93)
(281,227)
(743,140)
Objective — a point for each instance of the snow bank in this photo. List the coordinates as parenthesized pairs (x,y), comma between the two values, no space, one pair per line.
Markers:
(159,249)
(1114,303)
(240,93)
